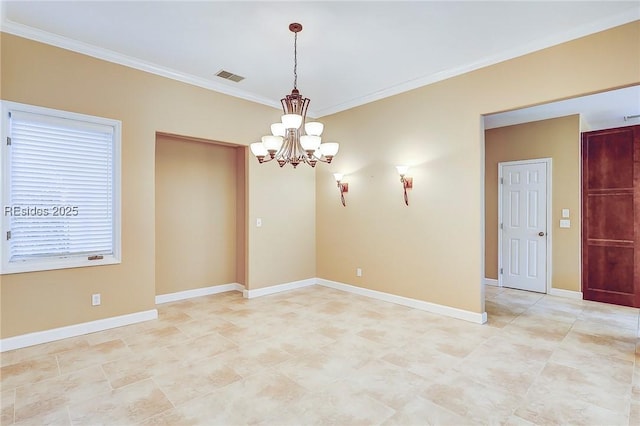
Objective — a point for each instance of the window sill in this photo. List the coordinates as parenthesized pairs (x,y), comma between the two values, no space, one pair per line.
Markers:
(50,265)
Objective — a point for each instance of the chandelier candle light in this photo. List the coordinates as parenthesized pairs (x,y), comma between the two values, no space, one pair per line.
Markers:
(293,140)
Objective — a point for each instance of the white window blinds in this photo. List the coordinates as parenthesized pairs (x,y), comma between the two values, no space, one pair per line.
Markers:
(60,188)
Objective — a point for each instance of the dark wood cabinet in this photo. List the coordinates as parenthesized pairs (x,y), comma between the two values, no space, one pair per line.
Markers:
(611,216)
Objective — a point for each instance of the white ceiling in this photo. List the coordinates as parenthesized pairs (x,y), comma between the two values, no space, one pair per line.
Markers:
(349,53)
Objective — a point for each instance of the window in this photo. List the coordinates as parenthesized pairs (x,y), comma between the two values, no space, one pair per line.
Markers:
(60,189)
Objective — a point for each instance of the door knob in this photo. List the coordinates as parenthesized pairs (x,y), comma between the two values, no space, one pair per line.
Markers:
(541,234)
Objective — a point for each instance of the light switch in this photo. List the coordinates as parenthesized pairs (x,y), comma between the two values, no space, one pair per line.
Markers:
(259,222)
(565,223)
(565,213)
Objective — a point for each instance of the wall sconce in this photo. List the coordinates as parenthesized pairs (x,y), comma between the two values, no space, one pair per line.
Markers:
(407,182)
(342,186)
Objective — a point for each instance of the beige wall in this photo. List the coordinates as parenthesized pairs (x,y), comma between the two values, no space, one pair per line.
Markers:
(196,210)
(558,139)
(38,74)
(286,241)
(433,249)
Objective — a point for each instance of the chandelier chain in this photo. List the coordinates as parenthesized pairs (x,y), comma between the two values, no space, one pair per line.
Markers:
(295,60)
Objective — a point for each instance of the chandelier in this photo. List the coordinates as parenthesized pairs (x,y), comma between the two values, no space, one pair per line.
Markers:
(294,140)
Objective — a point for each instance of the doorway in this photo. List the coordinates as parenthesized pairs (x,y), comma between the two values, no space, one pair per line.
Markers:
(550,130)
(524,249)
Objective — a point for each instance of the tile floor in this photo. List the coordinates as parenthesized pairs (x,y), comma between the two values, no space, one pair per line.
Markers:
(321,356)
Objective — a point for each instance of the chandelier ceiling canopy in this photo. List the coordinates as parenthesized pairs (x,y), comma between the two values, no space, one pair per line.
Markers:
(294,140)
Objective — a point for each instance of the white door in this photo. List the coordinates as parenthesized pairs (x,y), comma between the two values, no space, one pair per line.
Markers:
(524,225)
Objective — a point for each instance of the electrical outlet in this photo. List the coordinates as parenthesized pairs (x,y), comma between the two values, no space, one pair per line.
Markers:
(358,272)
(95,299)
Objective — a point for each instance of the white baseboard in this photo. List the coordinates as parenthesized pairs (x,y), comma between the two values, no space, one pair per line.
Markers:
(405,301)
(46,336)
(491,281)
(569,294)
(198,292)
(250,294)
(60,333)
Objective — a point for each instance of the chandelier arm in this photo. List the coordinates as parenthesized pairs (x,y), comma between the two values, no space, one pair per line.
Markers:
(303,112)
(284,154)
(310,161)
(295,147)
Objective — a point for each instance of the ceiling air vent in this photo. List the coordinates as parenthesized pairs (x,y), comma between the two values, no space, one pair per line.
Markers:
(229,76)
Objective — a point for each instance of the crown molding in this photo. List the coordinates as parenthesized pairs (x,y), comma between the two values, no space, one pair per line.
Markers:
(35,34)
